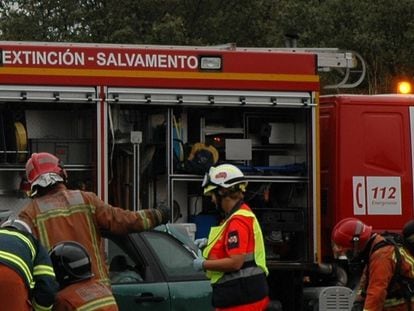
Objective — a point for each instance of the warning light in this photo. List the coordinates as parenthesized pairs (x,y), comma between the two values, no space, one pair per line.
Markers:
(404,87)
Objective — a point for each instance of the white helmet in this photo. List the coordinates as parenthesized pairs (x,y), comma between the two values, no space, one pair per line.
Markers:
(224,175)
(16,224)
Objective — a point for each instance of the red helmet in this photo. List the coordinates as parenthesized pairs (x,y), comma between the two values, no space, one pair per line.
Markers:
(351,233)
(42,163)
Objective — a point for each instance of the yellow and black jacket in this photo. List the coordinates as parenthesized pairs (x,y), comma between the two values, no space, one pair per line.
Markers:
(23,253)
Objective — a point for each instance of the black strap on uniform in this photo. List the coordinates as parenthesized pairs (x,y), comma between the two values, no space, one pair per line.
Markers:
(356,238)
(405,283)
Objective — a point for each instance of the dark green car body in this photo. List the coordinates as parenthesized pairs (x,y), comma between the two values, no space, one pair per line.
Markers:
(157,272)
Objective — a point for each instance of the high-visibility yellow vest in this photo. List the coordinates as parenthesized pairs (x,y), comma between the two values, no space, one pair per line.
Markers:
(259,255)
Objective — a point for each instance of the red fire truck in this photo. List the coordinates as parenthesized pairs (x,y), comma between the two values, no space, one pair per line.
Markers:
(366,161)
(128,121)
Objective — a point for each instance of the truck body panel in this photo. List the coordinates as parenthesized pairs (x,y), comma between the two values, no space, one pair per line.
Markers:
(155,66)
(125,118)
(366,161)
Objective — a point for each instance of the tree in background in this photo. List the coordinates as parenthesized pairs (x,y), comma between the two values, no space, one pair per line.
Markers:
(381,31)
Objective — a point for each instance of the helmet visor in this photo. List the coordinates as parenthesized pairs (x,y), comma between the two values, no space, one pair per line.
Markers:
(206,180)
(207,185)
(209,189)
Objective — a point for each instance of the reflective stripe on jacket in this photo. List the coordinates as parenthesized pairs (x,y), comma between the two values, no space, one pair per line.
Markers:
(259,255)
(248,284)
(377,277)
(63,215)
(23,253)
(85,296)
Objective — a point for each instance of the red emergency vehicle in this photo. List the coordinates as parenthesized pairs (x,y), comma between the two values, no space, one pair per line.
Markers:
(366,161)
(128,121)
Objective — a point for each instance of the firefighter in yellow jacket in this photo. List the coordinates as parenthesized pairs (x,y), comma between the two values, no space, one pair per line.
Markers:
(58,214)
(387,270)
(234,251)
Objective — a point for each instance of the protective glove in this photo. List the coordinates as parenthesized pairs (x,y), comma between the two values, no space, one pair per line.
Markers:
(358,306)
(165,213)
(201,243)
(198,264)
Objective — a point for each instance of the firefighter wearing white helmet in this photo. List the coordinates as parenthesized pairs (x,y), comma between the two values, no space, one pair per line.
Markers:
(225,176)
(234,252)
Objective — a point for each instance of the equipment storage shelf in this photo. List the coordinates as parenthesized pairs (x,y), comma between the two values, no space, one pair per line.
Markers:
(58,120)
(270,136)
(272,149)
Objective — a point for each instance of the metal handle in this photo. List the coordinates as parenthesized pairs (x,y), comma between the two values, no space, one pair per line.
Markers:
(148,297)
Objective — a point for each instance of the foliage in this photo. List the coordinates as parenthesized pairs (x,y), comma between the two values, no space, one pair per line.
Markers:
(381,31)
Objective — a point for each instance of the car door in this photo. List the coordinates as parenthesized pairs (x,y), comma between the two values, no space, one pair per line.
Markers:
(157,274)
(142,286)
(189,289)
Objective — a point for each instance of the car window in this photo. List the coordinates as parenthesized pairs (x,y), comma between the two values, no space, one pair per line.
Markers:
(174,258)
(122,268)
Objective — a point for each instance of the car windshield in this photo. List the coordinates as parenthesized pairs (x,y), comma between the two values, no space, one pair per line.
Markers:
(181,234)
(176,260)
(154,271)
(163,255)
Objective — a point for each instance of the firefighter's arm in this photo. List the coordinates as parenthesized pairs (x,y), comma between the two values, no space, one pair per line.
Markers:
(381,271)
(358,306)
(45,287)
(120,221)
(360,292)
